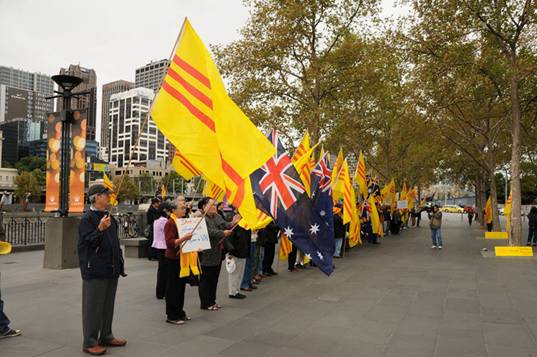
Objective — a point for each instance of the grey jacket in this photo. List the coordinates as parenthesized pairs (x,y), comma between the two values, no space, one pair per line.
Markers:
(215,227)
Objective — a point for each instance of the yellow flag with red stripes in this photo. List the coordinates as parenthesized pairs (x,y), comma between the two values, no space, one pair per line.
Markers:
(195,113)
(110,185)
(488,211)
(184,167)
(285,247)
(301,160)
(213,191)
(360,175)
(375,219)
(350,215)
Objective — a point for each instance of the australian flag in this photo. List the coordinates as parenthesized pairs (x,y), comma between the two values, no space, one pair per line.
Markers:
(321,191)
(279,192)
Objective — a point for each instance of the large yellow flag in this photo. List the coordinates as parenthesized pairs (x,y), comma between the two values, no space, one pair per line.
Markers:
(375,219)
(110,185)
(404,192)
(360,175)
(213,191)
(349,206)
(337,166)
(304,161)
(507,211)
(488,211)
(184,167)
(411,197)
(195,113)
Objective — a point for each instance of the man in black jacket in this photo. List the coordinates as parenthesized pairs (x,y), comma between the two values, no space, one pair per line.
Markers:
(269,235)
(101,264)
(152,215)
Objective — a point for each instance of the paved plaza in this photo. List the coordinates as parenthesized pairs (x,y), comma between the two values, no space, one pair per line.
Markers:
(400,298)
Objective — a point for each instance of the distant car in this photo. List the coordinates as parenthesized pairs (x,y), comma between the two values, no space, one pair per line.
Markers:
(452,209)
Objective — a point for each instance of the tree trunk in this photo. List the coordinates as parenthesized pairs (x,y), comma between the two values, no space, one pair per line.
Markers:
(494,204)
(482,199)
(477,203)
(516,223)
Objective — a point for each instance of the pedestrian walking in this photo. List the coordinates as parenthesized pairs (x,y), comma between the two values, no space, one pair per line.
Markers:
(470,216)
(435,224)
(532,225)
(101,264)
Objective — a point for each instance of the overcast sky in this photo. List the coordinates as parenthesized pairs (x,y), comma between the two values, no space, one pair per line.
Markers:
(114,36)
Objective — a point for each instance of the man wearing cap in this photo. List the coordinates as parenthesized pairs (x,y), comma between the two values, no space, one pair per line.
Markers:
(5,248)
(101,264)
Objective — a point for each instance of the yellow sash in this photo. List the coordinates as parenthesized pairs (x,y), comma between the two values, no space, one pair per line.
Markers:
(189,262)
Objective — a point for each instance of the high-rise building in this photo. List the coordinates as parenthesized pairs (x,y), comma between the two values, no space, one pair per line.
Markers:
(109,89)
(89,101)
(22,88)
(128,110)
(150,76)
(18,133)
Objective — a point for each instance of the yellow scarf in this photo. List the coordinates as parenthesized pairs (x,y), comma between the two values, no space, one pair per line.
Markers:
(189,262)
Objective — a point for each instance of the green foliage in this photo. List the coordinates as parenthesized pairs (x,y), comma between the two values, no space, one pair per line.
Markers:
(127,188)
(26,182)
(31,163)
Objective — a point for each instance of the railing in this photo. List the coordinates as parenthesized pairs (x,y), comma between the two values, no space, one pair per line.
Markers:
(29,228)
(25,230)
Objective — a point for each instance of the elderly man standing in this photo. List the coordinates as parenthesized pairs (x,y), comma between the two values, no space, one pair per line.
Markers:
(101,264)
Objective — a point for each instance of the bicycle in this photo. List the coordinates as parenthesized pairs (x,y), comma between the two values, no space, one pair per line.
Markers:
(130,225)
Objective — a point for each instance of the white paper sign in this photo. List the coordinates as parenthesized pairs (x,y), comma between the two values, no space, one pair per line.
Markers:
(402,204)
(200,238)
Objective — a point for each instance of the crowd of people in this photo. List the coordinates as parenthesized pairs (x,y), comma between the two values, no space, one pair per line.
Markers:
(248,256)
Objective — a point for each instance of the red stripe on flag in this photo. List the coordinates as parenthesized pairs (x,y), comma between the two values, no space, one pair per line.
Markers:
(192,71)
(191,89)
(191,108)
(189,166)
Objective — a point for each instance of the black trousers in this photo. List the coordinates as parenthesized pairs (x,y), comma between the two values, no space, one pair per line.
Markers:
(208,285)
(98,299)
(162,274)
(291,258)
(268,258)
(175,292)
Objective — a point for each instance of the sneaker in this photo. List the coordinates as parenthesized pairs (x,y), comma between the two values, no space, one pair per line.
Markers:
(439,247)
(237,296)
(11,333)
(433,247)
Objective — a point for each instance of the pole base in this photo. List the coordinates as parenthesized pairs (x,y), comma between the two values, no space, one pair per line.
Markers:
(61,240)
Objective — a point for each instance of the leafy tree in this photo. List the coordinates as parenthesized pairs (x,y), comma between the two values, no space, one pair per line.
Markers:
(31,163)
(282,71)
(126,188)
(26,183)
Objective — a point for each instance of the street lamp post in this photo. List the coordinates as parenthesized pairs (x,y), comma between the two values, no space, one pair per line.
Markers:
(60,247)
(67,83)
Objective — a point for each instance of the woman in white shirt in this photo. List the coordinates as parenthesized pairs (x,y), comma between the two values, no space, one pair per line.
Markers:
(159,245)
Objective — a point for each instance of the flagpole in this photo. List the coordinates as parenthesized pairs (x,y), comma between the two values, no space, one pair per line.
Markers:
(144,123)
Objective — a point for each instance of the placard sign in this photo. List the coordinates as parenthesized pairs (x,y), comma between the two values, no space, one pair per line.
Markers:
(402,204)
(200,239)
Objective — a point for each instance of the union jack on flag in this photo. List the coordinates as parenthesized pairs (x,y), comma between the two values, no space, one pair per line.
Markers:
(280,179)
(279,192)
